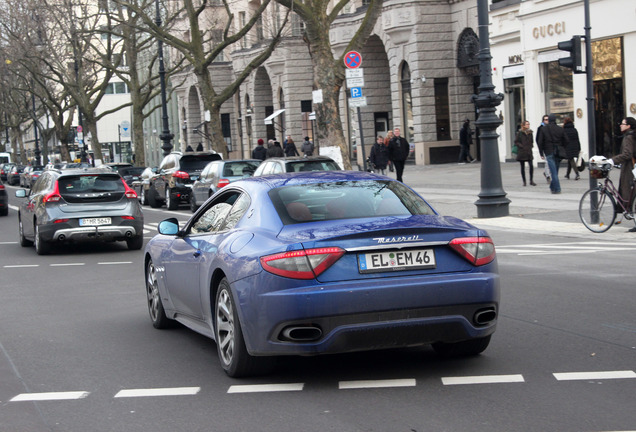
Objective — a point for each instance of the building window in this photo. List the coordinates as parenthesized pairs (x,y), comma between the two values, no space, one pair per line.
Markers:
(298,26)
(259,29)
(241,23)
(305,109)
(116,88)
(227,131)
(559,92)
(442,109)
(281,104)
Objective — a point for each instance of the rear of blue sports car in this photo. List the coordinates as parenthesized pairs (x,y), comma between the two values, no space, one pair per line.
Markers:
(367,264)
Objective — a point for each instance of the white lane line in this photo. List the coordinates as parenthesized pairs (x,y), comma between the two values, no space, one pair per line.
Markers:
(49,396)
(3,243)
(174,391)
(367,384)
(114,263)
(572,376)
(22,266)
(266,388)
(66,264)
(483,379)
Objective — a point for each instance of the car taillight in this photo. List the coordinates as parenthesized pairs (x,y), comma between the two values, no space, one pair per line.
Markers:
(222,182)
(1,187)
(302,264)
(60,220)
(128,217)
(182,175)
(476,250)
(129,192)
(53,196)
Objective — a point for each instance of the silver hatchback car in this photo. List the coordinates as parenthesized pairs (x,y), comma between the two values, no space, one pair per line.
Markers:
(79,205)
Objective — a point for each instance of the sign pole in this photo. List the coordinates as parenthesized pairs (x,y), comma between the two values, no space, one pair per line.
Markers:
(364,155)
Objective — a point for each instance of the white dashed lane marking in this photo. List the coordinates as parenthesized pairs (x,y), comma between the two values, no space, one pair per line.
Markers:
(175,391)
(483,379)
(51,396)
(349,385)
(266,388)
(573,376)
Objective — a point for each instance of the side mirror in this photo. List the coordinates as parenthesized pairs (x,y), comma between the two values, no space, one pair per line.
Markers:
(169,227)
(20,193)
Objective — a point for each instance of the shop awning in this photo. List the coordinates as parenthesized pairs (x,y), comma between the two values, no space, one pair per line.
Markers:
(515,71)
(268,120)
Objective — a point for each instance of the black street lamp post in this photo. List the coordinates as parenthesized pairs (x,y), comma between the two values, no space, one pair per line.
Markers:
(492,200)
(165,136)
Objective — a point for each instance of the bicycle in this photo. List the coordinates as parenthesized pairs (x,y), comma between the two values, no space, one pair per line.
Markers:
(598,206)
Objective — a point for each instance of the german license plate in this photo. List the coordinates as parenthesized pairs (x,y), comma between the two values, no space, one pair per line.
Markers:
(94,221)
(396,260)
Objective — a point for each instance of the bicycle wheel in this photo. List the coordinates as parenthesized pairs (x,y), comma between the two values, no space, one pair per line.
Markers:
(597,210)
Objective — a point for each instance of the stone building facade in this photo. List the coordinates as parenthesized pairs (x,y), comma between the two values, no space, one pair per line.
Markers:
(420,71)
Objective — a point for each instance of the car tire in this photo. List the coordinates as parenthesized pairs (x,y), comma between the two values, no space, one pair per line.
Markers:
(193,204)
(143,198)
(155,307)
(171,203)
(23,240)
(233,355)
(462,349)
(135,243)
(41,247)
(5,211)
(152,198)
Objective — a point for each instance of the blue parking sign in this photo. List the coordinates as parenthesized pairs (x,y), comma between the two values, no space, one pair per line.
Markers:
(356,92)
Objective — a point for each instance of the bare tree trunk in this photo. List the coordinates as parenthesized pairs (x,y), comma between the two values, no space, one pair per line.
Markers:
(91,126)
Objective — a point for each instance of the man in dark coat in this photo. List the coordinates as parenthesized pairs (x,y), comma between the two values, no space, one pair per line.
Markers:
(625,158)
(551,138)
(399,150)
(275,151)
(260,152)
(465,141)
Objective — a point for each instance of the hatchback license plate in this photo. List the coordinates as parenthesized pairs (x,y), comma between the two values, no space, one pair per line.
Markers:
(94,221)
(396,260)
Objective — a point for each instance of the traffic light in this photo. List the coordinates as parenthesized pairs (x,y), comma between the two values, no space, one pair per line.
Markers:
(574,62)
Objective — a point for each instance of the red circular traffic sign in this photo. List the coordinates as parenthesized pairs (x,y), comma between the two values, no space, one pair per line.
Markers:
(353,60)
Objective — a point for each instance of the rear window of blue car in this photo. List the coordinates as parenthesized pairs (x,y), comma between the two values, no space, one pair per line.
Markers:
(346,200)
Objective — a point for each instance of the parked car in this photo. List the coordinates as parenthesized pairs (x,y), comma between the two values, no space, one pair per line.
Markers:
(177,171)
(5,168)
(130,174)
(4,200)
(30,175)
(90,204)
(13,178)
(118,166)
(296,164)
(322,262)
(141,185)
(218,174)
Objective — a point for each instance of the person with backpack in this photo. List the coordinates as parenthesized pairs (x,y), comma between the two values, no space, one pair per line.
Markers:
(259,152)
(307,147)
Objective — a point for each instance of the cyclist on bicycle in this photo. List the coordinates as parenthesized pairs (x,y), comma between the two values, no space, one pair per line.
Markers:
(626,159)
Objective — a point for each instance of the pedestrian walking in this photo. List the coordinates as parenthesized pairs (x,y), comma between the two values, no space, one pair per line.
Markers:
(552,144)
(573,149)
(259,152)
(275,151)
(626,159)
(465,141)
(546,172)
(379,157)
(399,150)
(307,147)
(387,140)
(200,147)
(290,147)
(524,142)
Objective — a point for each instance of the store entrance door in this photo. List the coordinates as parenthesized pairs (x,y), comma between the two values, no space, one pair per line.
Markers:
(608,112)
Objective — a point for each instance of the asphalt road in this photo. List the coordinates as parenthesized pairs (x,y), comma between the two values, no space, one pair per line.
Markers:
(75,334)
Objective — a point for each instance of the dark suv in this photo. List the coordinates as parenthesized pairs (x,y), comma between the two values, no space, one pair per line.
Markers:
(177,172)
(90,204)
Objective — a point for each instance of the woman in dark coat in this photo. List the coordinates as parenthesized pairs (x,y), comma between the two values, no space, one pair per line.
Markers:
(574,147)
(628,128)
(379,157)
(524,142)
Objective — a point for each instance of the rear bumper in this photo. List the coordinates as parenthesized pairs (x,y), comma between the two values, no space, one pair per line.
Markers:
(95,233)
(353,316)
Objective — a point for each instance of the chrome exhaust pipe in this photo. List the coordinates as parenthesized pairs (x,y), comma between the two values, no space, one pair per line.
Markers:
(128,234)
(485,316)
(301,333)
(62,237)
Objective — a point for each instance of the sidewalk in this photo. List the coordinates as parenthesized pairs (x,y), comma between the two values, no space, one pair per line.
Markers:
(452,189)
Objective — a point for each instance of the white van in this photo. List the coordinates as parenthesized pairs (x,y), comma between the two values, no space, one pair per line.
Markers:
(5,158)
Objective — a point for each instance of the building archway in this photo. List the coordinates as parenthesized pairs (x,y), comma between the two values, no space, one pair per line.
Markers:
(263,105)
